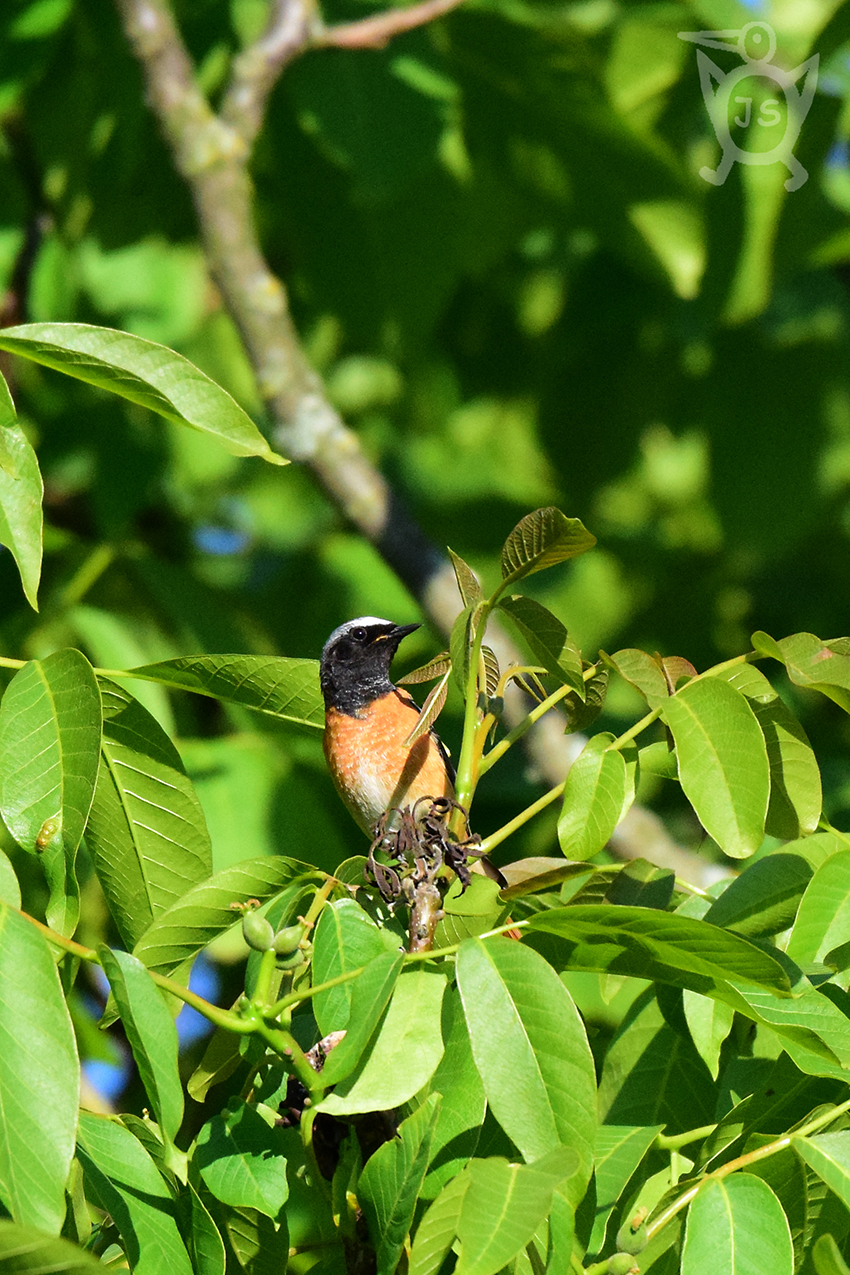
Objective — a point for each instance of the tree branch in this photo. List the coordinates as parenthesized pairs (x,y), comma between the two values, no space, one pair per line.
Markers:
(376,31)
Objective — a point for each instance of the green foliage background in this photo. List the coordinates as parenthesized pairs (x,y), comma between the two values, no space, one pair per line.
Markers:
(503,260)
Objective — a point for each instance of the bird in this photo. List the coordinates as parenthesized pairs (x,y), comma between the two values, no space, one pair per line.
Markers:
(368,718)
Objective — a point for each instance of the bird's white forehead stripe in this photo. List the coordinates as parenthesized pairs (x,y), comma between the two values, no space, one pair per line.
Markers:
(363,622)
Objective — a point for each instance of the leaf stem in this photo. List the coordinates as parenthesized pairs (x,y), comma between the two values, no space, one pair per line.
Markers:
(499,750)
(501,834)
(742,1161)
(672,1142)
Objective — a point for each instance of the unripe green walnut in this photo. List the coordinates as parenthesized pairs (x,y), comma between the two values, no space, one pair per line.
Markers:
(290,962)
(286,941)
(632,1240)
(257,931)
(621,1264)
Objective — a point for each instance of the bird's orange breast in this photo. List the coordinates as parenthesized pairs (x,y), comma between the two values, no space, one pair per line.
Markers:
(370,765)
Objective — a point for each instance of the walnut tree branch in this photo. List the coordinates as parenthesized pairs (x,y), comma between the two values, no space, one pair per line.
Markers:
(376,32)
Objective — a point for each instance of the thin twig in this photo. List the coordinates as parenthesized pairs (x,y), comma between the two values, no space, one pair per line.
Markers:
(376,32)
(293,26)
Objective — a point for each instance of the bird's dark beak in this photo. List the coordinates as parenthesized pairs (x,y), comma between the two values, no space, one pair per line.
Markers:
(402,630)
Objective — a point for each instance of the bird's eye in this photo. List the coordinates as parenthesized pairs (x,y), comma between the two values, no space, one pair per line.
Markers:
(359,635)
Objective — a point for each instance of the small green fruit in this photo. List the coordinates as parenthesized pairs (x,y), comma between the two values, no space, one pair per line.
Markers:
(286,941)
(621,1264)
(291,962)
(632,1240)
(257,932)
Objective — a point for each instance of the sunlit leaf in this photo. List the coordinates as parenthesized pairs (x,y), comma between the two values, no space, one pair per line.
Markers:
(207,909)
(467,581)
(241,1160)
(50,727)
(737,1227)
(540,540)
(21,492)
(594,796)
(146,833)
(531,1050)
(272,684)
(813,663)
(151,1033)
(39,1078)
(723,764)
(124,1181)
(546,638)
(795,787)
(143,372)
(27,1251)
(405,1052)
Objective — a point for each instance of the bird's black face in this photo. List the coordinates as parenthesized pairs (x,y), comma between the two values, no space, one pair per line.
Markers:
(355,667)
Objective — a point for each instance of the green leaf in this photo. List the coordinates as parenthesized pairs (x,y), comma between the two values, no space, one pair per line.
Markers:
(764,899)
(146,833)
(21,492)
(813,663)
(389,1185)
(151,1034)
(39,1078)
(459,648)
(205,1245)
(531,1051)
(737,1227)
(260,1245)
(10,890)
(124,1181)
(346,938)
(540,540)
(546,638)
(404,1053)
(652,1075)
(594,796)
(827,1258)
(642,672)
(503,1207)
(369,999)
(282,687)
(206,910)
(829,1155)
(467,581)
(463,1105)
(240,1158)
(709,1022)
(618,1152)
(723,765)
(640,883)
(144,373)
(662,946)
(813,1031)
(795,788)
(27,1251)
(824,914)
(438,1228)
(50,724)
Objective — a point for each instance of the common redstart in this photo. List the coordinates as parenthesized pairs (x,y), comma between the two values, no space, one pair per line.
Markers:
(367,720)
